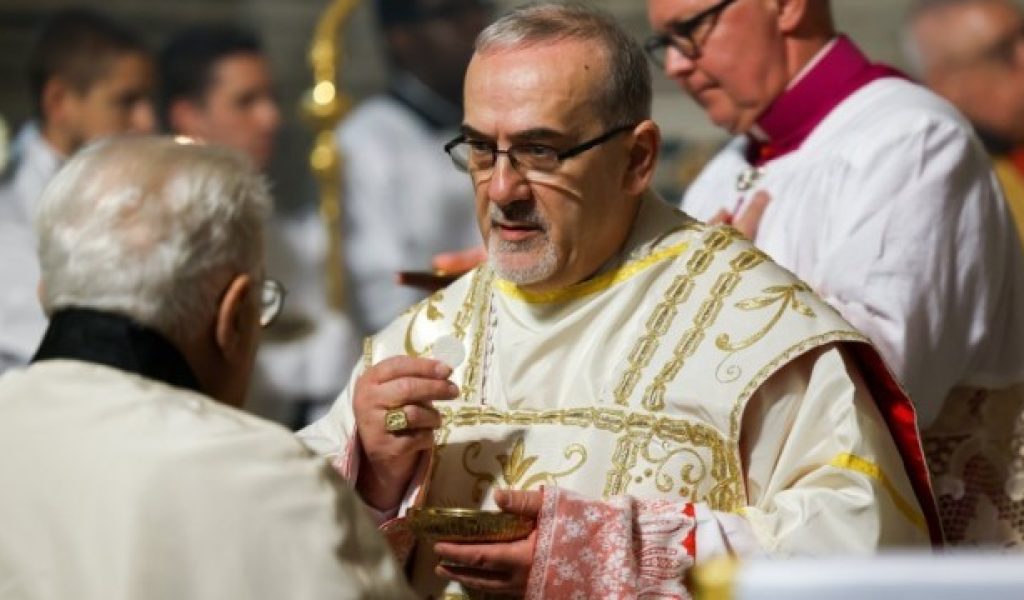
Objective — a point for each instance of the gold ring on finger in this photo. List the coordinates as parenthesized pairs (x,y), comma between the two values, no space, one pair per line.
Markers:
(395,420)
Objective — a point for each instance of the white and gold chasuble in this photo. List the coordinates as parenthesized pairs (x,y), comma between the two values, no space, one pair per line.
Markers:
(634,382)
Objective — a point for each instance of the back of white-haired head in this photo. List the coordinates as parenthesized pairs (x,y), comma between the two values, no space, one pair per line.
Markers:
(626,97)
(152,229)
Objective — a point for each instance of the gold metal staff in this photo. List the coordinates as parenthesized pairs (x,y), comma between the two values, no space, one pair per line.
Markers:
(323,107)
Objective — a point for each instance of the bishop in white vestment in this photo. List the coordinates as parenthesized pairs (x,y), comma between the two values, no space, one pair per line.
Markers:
(691,401)
(655,391)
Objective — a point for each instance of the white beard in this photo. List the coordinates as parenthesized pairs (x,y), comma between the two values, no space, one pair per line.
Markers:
(540,269)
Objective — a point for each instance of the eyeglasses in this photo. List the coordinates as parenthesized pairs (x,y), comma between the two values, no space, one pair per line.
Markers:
(271,301)
(475,156)
(682,35)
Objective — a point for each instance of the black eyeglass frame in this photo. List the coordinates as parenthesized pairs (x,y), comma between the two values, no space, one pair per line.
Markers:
(511,150)
(683,30)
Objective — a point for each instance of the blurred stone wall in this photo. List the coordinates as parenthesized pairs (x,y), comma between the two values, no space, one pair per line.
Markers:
(286,26)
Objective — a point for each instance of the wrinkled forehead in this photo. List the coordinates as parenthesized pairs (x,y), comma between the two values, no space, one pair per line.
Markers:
(554,85)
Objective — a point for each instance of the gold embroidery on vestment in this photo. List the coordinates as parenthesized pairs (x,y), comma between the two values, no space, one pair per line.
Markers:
(768,370)
(635,432)
(367,352)
(785,296)
(429,308)
(703,319)
(515,466)
(465,313)
(664,314)
(471,376)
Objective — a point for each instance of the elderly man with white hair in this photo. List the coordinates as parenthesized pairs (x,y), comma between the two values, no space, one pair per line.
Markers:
(128,470)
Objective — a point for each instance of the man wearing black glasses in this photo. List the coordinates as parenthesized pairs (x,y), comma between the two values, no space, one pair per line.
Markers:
(621,380)
(866,185)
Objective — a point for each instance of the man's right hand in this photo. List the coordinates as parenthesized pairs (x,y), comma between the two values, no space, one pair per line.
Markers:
(389,458)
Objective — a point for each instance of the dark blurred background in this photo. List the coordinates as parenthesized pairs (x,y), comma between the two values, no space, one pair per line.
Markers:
(286,27)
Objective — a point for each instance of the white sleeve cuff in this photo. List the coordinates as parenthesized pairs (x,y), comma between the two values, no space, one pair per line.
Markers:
(723,534)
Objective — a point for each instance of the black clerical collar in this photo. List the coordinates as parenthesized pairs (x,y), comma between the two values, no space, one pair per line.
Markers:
(115,341)
(438,113)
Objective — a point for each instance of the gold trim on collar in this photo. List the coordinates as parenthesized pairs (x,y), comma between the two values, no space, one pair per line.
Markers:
(592,286)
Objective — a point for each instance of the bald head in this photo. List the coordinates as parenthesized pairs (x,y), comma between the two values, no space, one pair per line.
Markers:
(971,52)
(945,34)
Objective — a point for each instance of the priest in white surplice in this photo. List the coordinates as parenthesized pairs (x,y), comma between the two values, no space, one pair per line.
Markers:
(676,395)
(127,470)
(877,193)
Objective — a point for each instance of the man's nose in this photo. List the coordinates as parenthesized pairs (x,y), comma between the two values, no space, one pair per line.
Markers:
(676,64)
(506,184)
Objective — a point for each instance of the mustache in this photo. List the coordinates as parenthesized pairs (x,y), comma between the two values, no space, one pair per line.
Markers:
(520,212)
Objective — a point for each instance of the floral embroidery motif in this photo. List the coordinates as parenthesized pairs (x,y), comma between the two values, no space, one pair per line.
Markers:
(975,450)
(717,481)
(515,467)
(429,309)
(622,548)
(783,296)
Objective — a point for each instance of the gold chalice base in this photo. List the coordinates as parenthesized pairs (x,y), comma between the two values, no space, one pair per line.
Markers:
(468,525)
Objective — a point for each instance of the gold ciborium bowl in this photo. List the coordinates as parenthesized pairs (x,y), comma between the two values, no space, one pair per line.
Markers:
(468,525)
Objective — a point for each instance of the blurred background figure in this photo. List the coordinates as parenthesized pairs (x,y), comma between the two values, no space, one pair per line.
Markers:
(972,53)
(403,201)
(128,470)
(217,86)
(89,77)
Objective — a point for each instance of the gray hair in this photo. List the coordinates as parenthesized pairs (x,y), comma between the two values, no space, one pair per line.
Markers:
(626,97)
(152,229)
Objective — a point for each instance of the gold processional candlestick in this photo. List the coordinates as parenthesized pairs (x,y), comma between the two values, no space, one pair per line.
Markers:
(323,107)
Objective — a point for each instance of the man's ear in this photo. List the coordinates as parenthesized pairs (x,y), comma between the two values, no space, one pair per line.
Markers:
(643,158)
(41,295)
(56,100)
(793,14)
(237,317)
(187,118)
